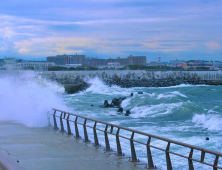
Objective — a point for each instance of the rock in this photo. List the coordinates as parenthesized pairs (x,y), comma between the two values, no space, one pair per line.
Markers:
(207,138)
(127,113)
(117,102)
(120,110)
(131,94)
(105,104)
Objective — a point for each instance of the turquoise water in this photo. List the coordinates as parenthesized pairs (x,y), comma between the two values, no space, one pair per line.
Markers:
(185,113)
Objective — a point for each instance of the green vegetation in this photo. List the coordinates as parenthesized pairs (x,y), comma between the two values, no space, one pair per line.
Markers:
(151,68)
(60,68)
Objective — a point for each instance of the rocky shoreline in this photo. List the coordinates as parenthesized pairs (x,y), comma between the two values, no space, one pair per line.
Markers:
(159,82)
(76,81)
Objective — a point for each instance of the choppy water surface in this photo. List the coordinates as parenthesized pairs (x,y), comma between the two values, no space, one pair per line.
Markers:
(185,113)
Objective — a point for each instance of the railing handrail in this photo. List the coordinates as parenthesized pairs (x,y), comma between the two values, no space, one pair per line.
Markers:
(146,134)
(131,139)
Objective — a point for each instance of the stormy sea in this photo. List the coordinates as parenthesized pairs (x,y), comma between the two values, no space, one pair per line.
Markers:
(185,113)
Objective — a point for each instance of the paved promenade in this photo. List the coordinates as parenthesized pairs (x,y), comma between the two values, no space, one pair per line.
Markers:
(44,149)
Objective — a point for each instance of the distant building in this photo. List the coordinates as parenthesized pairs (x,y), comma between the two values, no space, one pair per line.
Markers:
(138,60)
(198,63)
(217,64)
(10,61)
(156,63)
(34,63)
(66,59)
(77,59)
(95,62)
(37,65)
(124,61)
(91,61)
(176,63)
(59,59)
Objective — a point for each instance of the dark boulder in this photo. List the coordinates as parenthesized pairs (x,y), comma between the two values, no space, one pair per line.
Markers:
(117,102)
(120,110)
(127,113)
(105,104)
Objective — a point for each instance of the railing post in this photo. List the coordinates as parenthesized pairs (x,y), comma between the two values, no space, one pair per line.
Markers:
(133,152)
(215,163)
(68,126)
(86,139)
(190,161)
(61,123)
(149,155)
(76,128)
(55,123)
(168,161)
(107,139)
(119,149)
(96,142)
(202,155)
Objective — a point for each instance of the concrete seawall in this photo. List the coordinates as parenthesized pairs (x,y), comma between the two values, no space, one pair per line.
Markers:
(138,78)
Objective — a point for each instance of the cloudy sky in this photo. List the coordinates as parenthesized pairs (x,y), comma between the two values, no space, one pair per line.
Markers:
(173,29)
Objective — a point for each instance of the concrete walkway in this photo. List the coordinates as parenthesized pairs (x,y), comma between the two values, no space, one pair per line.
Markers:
(44,149)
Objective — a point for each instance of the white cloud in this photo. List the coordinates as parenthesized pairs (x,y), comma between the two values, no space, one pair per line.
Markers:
(213,45)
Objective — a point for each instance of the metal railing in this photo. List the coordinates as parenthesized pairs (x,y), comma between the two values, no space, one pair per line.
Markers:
(111,129)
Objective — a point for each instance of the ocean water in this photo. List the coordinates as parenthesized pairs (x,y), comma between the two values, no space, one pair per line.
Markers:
(186,113)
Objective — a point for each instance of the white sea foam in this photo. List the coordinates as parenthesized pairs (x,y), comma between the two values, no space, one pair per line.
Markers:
(26,98)
(154,110)
(126,102)
(180,86)
(209,121)
(171,95)
(98,87)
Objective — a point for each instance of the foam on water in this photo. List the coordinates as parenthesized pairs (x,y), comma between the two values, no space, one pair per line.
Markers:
(209,121)
(98,87)
(26,98)
(154,110)
(181,86)
(171,95)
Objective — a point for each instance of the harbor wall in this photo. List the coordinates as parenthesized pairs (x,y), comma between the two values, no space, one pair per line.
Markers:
(137,78)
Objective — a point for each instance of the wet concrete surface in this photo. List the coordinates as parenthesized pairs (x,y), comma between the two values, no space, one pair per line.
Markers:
(46,149)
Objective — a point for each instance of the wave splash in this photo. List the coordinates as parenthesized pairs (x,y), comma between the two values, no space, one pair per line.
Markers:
(210,121)
(27,98)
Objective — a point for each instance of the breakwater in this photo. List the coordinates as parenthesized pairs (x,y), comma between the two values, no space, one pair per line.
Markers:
(138,78)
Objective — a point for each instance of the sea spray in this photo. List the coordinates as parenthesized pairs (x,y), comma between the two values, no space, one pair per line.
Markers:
(27,98)
(210,122)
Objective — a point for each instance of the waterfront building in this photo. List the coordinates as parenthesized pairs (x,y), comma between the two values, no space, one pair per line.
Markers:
(59,59)
(34,63)
(138,60)
(67,59)
(10,61)
(94,61)
(124,61)
(176,63)
(77,59)
(156,63)
(196,64)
